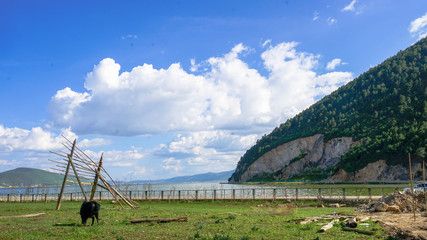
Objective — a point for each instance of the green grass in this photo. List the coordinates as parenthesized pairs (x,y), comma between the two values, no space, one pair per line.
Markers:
(206,220)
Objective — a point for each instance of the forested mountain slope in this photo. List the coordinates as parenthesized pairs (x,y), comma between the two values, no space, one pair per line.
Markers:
(384,111)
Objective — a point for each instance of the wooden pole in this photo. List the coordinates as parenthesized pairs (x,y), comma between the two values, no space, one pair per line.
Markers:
(58,206)
(424,178)
(412,189)
(95,182)
(77,176)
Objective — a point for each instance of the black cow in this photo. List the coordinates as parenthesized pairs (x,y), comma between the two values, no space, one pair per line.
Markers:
(89,210)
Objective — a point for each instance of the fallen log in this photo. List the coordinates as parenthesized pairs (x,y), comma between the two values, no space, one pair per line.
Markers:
(352,222)
(328,226)
(359,230)
(24,216)
(159,220)
(364,219)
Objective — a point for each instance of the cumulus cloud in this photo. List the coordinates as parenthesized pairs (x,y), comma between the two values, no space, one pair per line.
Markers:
(333,64)
(117,158)
(138,172)
(172,164)
(418,27)
(6,162)
(228,95)
(37,139)
(214,150)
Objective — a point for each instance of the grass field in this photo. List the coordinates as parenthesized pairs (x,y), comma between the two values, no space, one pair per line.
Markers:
(206,220)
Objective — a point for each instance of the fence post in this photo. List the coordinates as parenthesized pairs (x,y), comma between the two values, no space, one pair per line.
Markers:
(214,195)
(7,197)
(343,193)
(45,197)
(130,195)
(32,198)
(234,194)
(253,194)
(319,193)
(71,197)
(370,193)
(100,195)
(197,195)
(296,194)
(161,195)
(274,194)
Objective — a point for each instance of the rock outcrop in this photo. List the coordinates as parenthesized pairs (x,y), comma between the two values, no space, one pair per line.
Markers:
(295,157)
(377,171)
(292,158)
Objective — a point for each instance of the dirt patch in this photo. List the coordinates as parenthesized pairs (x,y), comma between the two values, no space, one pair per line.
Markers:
(395,212)
(402,226)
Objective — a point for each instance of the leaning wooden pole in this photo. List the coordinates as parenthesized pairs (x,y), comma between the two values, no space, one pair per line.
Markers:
(70,158)
(412,189)
(95,182)
(65,178)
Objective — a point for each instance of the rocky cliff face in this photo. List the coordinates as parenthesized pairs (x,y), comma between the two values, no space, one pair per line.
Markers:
(378,171)
(295,157)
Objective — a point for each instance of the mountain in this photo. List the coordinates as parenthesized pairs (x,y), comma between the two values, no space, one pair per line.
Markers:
(22,177)
(376,120)
(205,177)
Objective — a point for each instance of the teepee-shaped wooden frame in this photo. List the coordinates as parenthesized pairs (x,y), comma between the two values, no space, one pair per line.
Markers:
(84,167)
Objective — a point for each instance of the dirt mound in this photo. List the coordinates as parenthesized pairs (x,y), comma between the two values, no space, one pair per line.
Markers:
(396,202)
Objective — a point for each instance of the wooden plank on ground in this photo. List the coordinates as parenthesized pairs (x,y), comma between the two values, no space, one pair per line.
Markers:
(24,216)
(159,220)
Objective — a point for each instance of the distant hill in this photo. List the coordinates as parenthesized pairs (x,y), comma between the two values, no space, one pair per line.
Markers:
(205,177)
(22,177)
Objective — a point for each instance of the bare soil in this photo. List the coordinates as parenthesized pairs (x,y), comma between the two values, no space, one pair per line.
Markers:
(402,225)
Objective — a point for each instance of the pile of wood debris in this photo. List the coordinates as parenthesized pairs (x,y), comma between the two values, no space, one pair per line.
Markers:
(397,202)
(347,221)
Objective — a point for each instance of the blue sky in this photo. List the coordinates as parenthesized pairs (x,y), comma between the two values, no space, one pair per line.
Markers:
(170,88)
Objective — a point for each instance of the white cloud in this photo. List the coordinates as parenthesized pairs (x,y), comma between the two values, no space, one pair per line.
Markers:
(138,172)
(266,42)
(228,95)
(315,15)
(6,162)
(333,64)
(129,36)
(117,158)
(418,27)
(331,20)
(172,164)
(37,139)
(350,6)
(213,150)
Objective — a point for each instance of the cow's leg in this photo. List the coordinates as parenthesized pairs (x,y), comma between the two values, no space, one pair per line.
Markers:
(96,215)
(93,220)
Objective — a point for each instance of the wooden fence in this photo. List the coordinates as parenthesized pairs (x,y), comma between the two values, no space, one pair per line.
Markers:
(215,195)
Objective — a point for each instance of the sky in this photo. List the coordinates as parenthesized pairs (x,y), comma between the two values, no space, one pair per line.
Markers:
(173,88)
